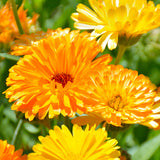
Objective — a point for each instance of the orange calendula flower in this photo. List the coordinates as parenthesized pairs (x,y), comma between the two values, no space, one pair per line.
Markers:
(117,21)
(8,29)
(88,144)
(22,44)
(7,152)
(47,81)
(153,121)
(119,96)
(5,27)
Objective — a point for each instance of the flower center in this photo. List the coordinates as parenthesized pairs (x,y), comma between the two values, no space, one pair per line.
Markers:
(116,102)
(62,78)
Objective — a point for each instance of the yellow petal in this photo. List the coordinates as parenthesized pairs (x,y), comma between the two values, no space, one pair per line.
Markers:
(88,12)
(103,40)
(112,43)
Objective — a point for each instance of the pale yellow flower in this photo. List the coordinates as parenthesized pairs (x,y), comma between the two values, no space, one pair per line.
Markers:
(117,21)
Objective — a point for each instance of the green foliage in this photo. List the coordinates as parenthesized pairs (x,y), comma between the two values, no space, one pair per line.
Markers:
(146,150)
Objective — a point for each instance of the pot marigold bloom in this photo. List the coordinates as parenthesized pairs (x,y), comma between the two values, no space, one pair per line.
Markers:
(7,152)
(119,96)
(47,81)
(117,21)
(8,29)
(22,44)
(153,120)
(5,27)
(88,144)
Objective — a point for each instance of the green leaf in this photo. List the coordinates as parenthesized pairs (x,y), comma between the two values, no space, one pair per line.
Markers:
(10,114)
(8,56)
(147,149)
(31,128)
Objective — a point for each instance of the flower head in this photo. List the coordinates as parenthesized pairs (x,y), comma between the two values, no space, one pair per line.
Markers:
(88,144)
(153,120)
(8,29)
(5,27)
(47,81)
(22,44)
(7,152)
(119,96)
(117,20)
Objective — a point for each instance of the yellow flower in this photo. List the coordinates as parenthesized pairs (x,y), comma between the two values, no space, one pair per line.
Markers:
(22,44)
(153,120)
(7,152)
(8,29)
(119,96)
(88,144)
(47,81)
(117,20)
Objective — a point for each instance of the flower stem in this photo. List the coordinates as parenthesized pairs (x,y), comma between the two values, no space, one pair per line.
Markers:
(121,51)
(19,125)
(14,8)
(67,122)
(107,127)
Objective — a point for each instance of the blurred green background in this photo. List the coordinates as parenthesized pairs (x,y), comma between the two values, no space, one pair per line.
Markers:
(139,141)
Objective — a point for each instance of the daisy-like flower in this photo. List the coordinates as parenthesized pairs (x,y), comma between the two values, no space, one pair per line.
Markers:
(119,96)
(22,44)
(5,27)
(88,144)
(8,29)
(153,120)
(47,81)
(7,152)
(117,21)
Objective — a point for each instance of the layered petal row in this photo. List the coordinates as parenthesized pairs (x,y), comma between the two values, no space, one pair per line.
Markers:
(117,21)
(7,152)
(88,144)
(48,80)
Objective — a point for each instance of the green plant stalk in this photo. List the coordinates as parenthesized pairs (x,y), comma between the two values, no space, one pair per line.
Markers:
(19,125)
(121,51)
(14,8)
(20,122)
(67,122)
(107,127)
